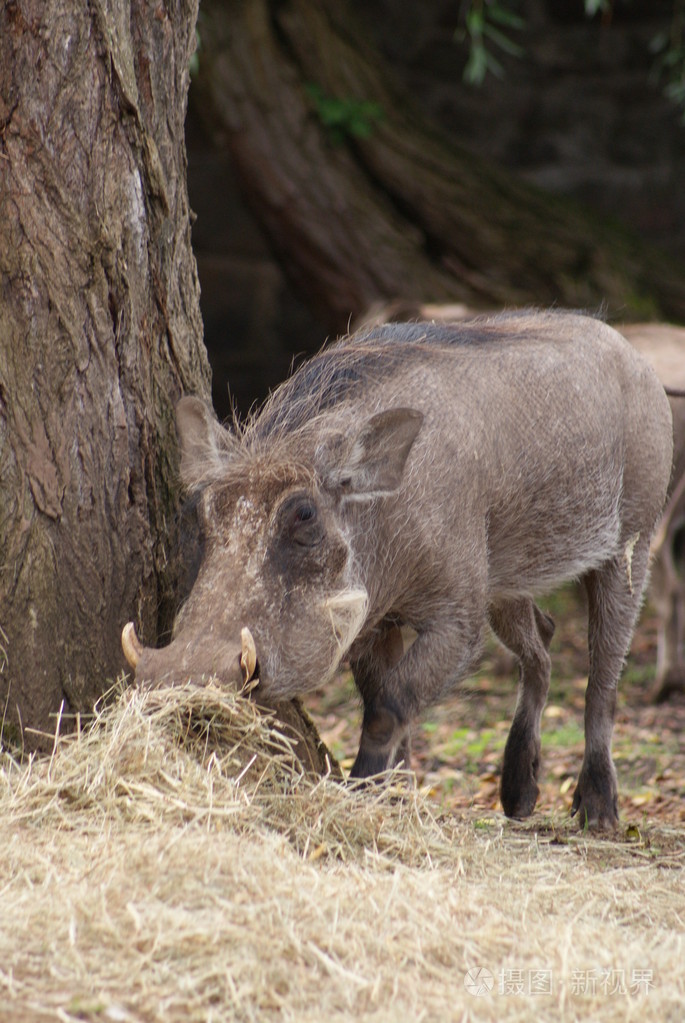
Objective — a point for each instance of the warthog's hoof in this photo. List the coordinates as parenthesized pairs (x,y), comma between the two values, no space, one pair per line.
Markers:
(368,766)
(519,788)
(519,802)
(595,801)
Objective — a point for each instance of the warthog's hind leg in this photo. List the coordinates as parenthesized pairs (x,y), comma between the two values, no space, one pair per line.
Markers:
(614,596)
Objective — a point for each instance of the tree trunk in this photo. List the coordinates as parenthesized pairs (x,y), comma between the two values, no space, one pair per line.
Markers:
(404,212)
(100,333)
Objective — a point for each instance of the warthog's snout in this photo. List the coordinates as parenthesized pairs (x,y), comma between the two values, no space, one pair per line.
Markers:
(236,666)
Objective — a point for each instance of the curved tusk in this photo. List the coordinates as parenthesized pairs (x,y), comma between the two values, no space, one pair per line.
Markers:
(131,645)
(248,657)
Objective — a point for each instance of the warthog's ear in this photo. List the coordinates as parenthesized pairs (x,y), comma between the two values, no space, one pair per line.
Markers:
(203,454)
(372,464)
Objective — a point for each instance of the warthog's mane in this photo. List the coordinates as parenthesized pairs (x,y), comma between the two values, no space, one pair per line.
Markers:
(308,408)
(343,372)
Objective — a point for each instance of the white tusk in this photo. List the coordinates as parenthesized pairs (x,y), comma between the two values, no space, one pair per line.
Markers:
(248,657)
(131,645)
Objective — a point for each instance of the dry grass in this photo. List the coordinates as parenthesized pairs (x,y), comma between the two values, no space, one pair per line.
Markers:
(171,863)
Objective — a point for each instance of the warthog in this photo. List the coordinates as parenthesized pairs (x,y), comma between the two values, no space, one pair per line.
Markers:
(664,346)
(435,477)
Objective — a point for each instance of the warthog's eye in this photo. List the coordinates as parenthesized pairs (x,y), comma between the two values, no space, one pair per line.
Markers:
(305,513)
(300,518)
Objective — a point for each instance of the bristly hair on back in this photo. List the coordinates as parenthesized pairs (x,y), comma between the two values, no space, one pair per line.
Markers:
(340,373)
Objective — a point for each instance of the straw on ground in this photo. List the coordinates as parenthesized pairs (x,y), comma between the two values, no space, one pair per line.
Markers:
(172,862)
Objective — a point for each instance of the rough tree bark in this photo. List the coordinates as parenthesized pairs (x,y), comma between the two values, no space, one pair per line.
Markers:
(100,333)
(404,213)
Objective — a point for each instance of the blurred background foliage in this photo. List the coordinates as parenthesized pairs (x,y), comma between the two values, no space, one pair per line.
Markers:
(488,26)
(489,152)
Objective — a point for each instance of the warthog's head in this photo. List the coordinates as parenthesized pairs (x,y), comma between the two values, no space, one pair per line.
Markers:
(279,596)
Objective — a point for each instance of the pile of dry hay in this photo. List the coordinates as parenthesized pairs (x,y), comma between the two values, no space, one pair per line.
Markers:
(172,863)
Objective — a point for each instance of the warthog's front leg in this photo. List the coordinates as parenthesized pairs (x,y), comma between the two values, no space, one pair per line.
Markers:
(382,739)
(527,632)
(438,659)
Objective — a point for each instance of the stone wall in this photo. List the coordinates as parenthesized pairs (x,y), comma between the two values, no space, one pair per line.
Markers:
(579,115)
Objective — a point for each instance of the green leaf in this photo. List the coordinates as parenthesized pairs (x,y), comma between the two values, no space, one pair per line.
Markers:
(675,91)
(493,65)
(658,42)
(593,7)
(504,42)
(343,117)
(504,16)
(475,21)
(477,65)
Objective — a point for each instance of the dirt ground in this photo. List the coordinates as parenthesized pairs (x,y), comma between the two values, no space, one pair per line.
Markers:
(458,746)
